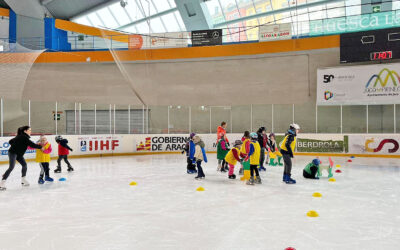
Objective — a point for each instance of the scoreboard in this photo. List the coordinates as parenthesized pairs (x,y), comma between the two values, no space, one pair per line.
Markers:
(372,45)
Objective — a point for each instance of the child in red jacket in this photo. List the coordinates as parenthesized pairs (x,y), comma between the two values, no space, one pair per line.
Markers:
(63,152)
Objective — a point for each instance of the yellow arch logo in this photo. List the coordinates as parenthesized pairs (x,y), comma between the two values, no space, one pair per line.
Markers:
(384,80)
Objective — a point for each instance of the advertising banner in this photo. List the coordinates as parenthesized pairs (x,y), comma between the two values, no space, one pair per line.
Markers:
(275,32)
(323,144)
(388,19)
(206,37)
(375,144)
(359,85)
(166,40)
(97,144)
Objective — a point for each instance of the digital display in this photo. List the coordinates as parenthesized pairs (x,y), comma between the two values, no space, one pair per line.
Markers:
(383,55)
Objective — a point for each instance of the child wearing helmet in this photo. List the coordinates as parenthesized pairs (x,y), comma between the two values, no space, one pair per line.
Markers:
(254,157)
(63,152)
(288,146)
(233,157)
(198,156)
(274,151)
(244,149)
(311,170)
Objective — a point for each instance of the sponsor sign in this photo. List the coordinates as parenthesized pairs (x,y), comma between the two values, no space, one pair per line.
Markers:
(382,20)
(207,37)
(135,41)
(160,143)
(275,32)
(99,144)
(167,40)
(358,85)
(375,144)
(312,145)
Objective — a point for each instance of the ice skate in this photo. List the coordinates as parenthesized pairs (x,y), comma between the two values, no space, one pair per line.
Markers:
(233,176)
(41,181)
(250,181)
(57,170)
(48,178)
(3,185)
(24,182)
(258,180)
(70,169)
(241,171)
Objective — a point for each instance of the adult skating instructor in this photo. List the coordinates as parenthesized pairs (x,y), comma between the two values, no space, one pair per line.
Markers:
(19,144)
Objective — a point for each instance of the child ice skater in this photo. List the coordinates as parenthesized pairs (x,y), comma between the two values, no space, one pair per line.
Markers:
(288,146)
(263,141)
(191,168)
(311,170)
(244,149)
(233,157)
(19,144)
(198,156)
(43,158)
(274,151)
(254,156)
(222,150)
(63,152)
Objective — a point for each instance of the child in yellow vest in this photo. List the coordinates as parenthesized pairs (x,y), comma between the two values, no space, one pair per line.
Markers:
(233,157)
(274,151)
(288,146)
(254,156)
(43,158)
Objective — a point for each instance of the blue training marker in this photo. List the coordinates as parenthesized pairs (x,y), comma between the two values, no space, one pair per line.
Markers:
(352,157)
(62,179)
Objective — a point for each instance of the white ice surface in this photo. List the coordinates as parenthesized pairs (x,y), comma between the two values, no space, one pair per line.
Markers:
(96,208)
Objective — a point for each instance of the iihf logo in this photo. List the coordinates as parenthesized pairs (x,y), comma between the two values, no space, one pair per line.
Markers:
(83,146)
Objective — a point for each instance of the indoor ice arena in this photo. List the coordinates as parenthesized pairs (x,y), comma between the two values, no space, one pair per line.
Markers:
(199,124)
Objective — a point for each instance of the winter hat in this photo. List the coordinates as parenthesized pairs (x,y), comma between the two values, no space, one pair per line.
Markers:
(196,139)
(316,162)
(192,135)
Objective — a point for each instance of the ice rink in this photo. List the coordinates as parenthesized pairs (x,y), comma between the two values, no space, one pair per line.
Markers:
(96,208)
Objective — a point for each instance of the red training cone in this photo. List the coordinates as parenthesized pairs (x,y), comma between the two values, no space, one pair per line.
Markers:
(338,171)
(349,160)
(290,248)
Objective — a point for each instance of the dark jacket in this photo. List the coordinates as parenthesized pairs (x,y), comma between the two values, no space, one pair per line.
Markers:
(20,143)
(262,139)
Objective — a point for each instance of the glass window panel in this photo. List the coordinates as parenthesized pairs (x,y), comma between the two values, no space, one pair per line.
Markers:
(179,119)
(328,119)
(170,22)
(87,118)
(252,30)
(143,27)
(380,118)
(317,13)
(158,119)
(95,20)
(397,118)
(335,9)
(218,115)
(304,115)
(294,3)
(180,21)
(103,119)
(134,11)
(266,20)
(120,14)
(16,115)
(132,29)
(283,116)
(230,7)
(262,117)
(82,20)
(396,5)
(263,6)
(354,119)
(42,118)
(172,3)
(161,5)
(107,18)
(241,116)
(280,4)
(215,11)
(200,119)
(156,25)
(353,7)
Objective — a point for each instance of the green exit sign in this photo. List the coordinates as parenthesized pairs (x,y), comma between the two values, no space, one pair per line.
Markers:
(376,9)
(58,117)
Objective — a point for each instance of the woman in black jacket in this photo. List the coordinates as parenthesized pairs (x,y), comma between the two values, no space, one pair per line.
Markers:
(19,144)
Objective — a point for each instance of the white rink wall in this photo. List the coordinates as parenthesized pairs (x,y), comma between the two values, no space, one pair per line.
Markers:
(354,144)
